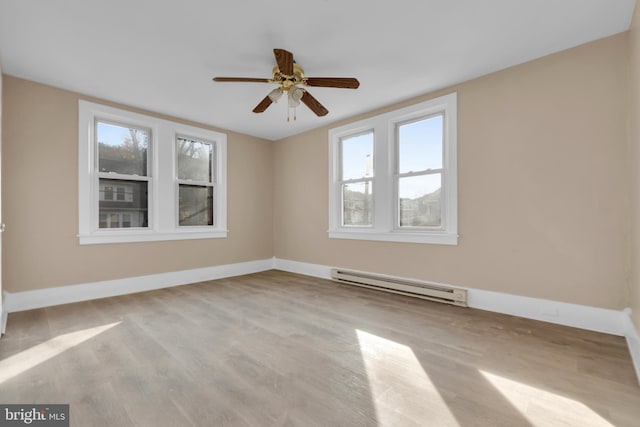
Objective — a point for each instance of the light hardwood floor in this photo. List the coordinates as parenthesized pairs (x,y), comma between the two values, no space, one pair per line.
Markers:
(279,349)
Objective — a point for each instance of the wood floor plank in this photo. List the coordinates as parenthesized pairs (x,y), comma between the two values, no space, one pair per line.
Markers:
(280,349)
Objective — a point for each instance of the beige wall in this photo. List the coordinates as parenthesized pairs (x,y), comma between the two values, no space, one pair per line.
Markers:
(40,198)
(634,138)
(543,186)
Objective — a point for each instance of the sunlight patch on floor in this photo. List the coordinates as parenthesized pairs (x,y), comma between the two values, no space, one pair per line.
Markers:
(32,357)
(544,408)
(400,388)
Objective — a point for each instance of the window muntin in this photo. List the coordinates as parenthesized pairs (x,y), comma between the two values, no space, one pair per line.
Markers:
(413,193)
(194,169)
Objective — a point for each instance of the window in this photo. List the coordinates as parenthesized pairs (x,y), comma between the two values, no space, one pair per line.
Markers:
(356,180)
(393,177)
(419,171)
(195,182)
(120,194)
(146,179)
(123,152)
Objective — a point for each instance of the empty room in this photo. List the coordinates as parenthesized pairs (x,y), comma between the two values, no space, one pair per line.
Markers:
(359,213)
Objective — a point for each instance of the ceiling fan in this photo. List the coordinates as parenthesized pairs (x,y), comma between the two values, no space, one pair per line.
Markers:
(289,76)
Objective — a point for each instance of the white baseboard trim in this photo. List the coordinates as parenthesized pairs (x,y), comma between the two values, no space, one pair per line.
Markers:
(579,316)
(633,341)
(314,270)
(27,300)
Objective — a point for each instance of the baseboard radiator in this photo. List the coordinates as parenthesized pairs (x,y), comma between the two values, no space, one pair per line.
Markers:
(401,286)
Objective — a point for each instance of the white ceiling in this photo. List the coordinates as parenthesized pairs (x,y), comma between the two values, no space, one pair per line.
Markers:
(161,55)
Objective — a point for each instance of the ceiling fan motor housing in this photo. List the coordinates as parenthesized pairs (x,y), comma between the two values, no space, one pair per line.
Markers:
(286,81)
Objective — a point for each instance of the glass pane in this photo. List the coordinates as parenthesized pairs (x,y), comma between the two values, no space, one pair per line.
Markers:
(128,211)
(357,203)
(120,196)
(420,201)
(357,156)
(420,145)
(194,160)
(103,220)
(122,149)
(195,205)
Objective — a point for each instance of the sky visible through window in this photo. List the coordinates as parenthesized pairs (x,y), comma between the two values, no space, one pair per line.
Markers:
(115,135)
(420,149)
(420,145)
(356,152)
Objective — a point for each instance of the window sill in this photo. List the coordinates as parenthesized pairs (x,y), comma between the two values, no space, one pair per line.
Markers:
(147,236)
(436,238)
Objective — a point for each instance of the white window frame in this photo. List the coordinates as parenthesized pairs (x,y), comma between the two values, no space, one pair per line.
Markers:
(385,188)
(161,170)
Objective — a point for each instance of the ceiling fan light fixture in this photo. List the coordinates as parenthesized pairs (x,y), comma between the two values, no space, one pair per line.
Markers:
(295,94)
(275,94)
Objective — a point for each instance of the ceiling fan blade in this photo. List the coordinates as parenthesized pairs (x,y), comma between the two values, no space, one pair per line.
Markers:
(241,79)
(284,59)
(313,104)
(263,105)
(339,82)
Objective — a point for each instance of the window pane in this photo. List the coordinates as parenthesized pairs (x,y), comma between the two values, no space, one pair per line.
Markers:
(357,202)
(194,160)
(420,145)
(420,201)
(103,220)
(120,196)
(357,156)
(113,213)
(122,149)
(195,205)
